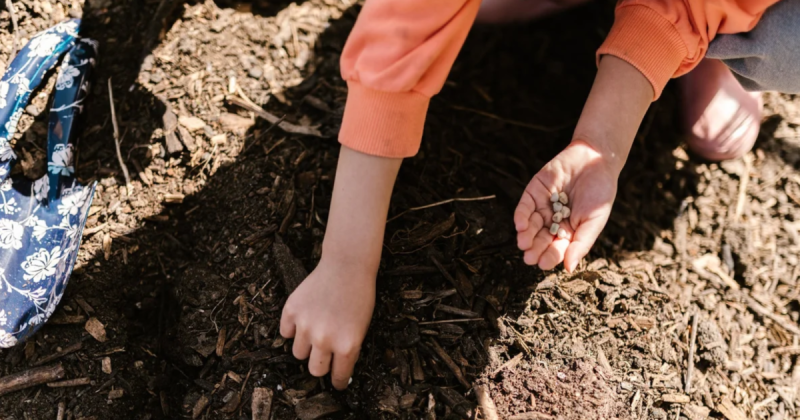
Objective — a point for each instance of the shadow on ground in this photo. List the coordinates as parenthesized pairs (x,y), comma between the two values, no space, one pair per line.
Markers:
(207,265)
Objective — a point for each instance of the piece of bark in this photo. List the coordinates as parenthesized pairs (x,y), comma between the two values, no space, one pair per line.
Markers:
(261,405)
(187,138)
(30,378)
(170,121)
(450,363)
(487,406)
(290,268)
(200,406)
(317,407)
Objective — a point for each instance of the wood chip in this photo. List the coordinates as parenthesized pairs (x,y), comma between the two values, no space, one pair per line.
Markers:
(675,398)
(96,329)
(729,410)
(115,394)
(199,406)
(106,365)
(316,407)
(192,123)
(261,406)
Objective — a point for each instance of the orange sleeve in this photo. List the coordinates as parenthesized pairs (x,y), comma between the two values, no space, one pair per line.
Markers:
(667,38)
(397,57)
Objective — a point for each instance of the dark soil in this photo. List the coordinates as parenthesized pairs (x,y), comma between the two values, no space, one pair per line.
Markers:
(189,274)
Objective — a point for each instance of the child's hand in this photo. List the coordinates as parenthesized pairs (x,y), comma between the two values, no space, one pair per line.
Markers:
(328,316)
(587,170)
(591,185)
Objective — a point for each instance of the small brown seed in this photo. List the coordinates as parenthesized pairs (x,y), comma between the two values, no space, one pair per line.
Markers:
(554,228)
(562,234)
(562,197)
(557,217)
(554,197)
(565,211)
(557,206)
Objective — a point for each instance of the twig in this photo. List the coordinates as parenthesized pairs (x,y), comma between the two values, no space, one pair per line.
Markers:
(30,378)
(14,24)
(443,202)
(449,362)
(70,383)
(488,409)
(744,180)
(62,410)
(125,172)
(787,324)
(283,125)
(57,355)
(692,349)
(450,321)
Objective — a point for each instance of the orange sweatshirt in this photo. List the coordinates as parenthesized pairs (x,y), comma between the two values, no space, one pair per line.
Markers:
(400,52)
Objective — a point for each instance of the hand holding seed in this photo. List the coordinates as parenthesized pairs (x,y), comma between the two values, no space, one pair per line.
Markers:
(565,207)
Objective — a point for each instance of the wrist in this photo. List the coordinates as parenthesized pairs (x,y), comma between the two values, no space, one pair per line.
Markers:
(616,105)
(337,255)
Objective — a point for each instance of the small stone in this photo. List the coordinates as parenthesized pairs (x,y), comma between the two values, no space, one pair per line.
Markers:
(557,217)
(554,197)
(562,198)
(255,72)
(562,234)
(557,206)
(561,376)
(565,211)
(554,228)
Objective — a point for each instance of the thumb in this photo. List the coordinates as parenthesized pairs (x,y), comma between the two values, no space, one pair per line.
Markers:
(583,239)
(288,327)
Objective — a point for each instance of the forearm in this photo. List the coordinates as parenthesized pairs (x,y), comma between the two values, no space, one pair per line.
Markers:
(361,194)
(617,103)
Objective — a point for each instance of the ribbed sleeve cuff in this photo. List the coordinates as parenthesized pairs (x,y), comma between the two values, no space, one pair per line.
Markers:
(385,124)
(648,41)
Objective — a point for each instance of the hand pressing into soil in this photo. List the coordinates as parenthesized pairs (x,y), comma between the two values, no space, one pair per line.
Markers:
(328,316)
(591,185)
(587,170)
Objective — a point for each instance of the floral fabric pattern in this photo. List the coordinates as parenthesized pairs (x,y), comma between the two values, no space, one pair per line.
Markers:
(41,221)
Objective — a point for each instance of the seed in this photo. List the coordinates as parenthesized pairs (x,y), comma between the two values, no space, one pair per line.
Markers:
(557,217)
(565,211)
(562,197)
(557,206)
(554,228)
(554,197)
(562,234)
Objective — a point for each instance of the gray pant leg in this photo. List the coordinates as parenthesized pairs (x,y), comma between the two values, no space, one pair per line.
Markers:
(768,57)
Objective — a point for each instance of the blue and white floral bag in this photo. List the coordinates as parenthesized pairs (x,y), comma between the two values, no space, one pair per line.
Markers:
(41,221)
